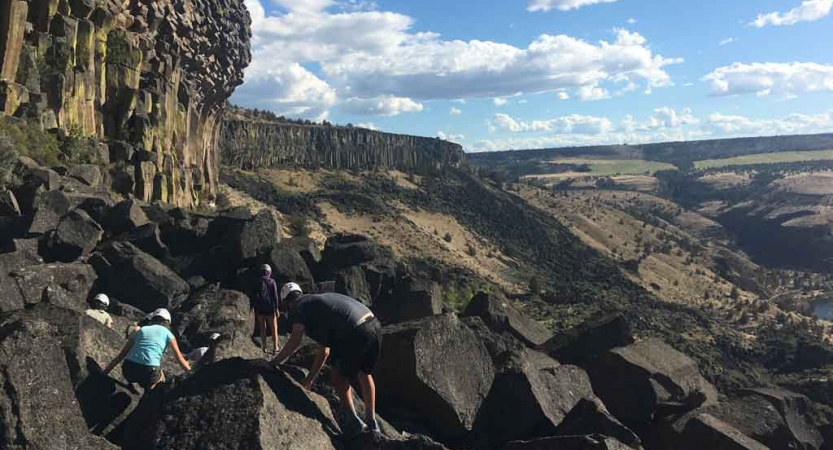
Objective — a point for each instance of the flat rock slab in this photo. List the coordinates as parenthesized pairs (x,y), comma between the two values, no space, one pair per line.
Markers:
(703,431)
(77,235)
(75,280)
(499,315)
(49,208)
(139,279)
(590,339)
(594,442)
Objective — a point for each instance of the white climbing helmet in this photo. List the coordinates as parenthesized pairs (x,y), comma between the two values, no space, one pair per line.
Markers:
(266,268)
(161,312)
(289,288)
(214,336)
(103,299)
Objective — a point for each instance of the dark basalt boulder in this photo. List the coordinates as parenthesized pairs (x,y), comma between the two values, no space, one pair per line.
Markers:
(633,381)
(530,396)
(703,431)
(412,299)
(148,238)
(369,442)
(46,355)
(772,416)
(308,249)
(8,204)
(347,250)
(351,282)
(437,369)
(214,310)
(139,279)
(88,174)
(14,256)
(499,315)
(124,217)
(258,237)
(76,236)
(589,339)
(287,265)
(97,206)
(73,280)
(48,178)
(234,404)
(49,207)
(496,343)
(591,442)
(591,416)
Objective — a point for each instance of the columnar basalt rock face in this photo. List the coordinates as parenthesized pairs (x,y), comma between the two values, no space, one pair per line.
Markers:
(256,144)
(149,76)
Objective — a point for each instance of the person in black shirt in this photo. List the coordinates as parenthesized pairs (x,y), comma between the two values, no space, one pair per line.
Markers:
(345,330)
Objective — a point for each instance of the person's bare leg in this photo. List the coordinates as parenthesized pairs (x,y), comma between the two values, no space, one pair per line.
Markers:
(273,321)
(368,387)
(262,332)
(345,391)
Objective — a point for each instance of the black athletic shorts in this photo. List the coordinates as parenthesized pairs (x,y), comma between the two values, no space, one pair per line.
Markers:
(359,350)
(145,376)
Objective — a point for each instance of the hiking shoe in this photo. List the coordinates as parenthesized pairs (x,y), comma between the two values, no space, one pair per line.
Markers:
(353,428)
(373,427)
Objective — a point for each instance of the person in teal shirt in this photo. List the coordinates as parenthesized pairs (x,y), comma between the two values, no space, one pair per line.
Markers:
(144,350)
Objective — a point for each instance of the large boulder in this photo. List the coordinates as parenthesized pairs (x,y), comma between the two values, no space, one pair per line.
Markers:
(235,405)
(47,177)
(308,249)
(124,217)
(12,257)
(258,237)
(591,416)
(287,265)
(214,310)
(147,238)
(496,343)
(589,442)
(775,417)
(77,235)
(139,279)
(499,315)
(42,366)
(589,339)
(412,299)
(8,204)
(88,174)
(530,396)
(347,250)
(74,281)
(49,208)
(703,431)
(632,381)
(352,283)
(435,368)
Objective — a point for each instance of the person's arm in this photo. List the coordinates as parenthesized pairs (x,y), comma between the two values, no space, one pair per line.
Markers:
(320,359)
(110,323)
(291,346)
(120,357)
(179,358)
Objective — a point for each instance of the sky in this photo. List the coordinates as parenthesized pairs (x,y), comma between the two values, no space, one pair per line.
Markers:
(519,74)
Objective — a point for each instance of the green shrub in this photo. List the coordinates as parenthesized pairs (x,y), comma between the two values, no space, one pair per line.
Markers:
(79,148)
(30,140)
(447,237)
(8,159)
(299,225)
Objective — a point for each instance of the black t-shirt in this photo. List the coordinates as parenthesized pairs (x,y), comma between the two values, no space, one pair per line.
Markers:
(327,317)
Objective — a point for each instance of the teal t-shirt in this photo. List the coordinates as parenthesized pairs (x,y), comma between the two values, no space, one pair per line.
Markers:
(149,344)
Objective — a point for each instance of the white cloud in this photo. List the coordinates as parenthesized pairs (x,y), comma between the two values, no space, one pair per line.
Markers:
(368,125)
(764,79)
(563,96)
(523,101)
(451,137)
(455,112)
(562,5)
(664,125)
(726,41)
(380,106)
(499,101)
(591,93)
(632,21)
(572,124)
(347,50)
(688,85)
(808,11)
(666,117)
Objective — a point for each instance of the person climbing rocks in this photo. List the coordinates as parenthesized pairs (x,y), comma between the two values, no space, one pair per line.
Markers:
(98,310)
(197,354)
(345,330)
(143,352)
(265,308)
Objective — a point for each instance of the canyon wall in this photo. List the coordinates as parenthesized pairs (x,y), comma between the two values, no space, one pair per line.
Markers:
(248,144)
(149,79)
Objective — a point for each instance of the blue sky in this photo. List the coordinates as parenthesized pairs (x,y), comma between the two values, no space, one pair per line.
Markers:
(515,74)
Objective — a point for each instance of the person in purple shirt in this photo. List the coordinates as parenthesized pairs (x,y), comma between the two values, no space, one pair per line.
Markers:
(265,307)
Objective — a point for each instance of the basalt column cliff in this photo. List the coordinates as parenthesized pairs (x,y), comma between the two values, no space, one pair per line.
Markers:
(252,144)
(148,78)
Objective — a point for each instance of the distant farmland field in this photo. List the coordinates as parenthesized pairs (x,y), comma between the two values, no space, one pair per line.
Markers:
(766,158)
(606,168)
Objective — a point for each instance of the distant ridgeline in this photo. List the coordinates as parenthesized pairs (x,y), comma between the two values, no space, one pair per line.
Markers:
(249,141)
(680,154)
